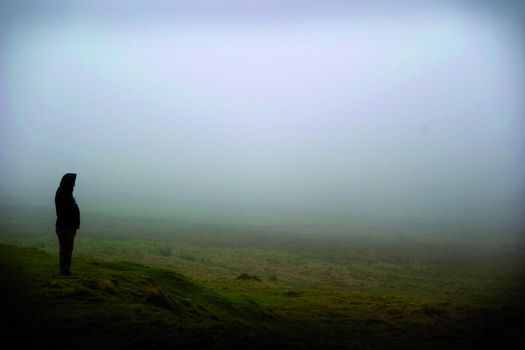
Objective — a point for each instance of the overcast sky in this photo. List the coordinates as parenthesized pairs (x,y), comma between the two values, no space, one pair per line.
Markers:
(331,108)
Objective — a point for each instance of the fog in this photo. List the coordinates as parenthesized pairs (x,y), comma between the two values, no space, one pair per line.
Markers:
(319,111)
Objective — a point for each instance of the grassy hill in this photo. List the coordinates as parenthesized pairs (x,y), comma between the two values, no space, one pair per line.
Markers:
(118,305)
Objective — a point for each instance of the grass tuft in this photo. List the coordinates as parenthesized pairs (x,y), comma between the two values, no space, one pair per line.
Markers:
(158,297)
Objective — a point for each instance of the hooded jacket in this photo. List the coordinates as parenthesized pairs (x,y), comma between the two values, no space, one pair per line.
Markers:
(68,214)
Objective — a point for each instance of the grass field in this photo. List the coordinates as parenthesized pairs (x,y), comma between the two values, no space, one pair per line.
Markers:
(166,286)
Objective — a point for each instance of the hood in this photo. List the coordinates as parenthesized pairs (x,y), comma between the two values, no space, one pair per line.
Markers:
(68,181)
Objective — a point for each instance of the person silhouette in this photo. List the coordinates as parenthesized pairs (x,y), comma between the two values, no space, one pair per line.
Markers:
(68,221)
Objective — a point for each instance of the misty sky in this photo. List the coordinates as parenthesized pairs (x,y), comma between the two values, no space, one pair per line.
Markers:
(314,108)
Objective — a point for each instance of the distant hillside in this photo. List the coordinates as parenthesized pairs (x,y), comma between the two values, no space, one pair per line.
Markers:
(118,305)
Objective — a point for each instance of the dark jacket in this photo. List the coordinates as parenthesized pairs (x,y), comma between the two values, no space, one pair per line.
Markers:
(68,214)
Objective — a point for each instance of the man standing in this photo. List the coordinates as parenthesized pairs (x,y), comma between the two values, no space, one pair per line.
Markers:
(68,221)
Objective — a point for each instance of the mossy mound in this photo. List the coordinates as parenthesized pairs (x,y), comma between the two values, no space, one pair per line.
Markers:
(248,277)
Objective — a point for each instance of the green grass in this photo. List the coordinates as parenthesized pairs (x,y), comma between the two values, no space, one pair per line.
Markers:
(166,291)
(120,303)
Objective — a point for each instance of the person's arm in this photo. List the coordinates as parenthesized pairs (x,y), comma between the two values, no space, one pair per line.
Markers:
(76,216)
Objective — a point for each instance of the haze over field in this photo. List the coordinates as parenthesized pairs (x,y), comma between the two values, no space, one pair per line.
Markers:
(334,111)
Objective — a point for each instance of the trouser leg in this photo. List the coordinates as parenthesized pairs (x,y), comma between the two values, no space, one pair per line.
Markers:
(68,254)
(65,239)
(61,252)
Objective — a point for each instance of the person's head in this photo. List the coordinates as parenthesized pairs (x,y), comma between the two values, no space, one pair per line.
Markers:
(68,181)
